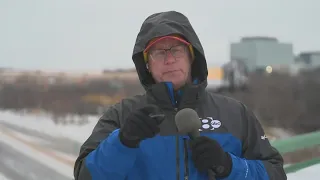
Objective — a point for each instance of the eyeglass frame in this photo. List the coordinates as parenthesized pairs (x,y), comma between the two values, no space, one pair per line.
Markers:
(185,52)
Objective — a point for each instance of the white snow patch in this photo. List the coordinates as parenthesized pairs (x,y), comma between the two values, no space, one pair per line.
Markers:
(2,177)
(46,125)
(310,173)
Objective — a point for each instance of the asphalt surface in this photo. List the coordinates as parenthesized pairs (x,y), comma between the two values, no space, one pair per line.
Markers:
(15,165)
(60,144)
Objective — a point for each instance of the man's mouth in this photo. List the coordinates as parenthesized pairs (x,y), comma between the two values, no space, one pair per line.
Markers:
(171,71)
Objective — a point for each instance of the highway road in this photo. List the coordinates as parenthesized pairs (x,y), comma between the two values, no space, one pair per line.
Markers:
(26,155)
(16,166)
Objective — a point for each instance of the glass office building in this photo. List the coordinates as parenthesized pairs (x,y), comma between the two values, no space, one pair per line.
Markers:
(262,53)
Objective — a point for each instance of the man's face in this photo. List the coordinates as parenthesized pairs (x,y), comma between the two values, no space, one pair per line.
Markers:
(169,61)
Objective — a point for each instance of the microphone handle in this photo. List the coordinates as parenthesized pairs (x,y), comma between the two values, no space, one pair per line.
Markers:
(211,174)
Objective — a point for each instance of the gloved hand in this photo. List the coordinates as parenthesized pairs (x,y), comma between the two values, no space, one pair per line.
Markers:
(208,154)
(141,124)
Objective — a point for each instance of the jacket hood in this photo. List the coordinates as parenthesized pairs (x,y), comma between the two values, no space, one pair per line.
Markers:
(163,24)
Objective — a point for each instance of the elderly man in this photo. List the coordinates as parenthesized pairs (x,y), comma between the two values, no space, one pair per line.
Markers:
(137,138)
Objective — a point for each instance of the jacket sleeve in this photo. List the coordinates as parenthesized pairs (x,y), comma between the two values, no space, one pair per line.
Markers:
(260,160)
(102,156)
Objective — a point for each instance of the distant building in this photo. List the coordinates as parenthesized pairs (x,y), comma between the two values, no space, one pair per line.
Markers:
(262,53)
(308,60)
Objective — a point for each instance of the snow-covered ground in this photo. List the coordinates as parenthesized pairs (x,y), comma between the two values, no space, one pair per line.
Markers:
(310,173)
(2,177)
(44,124)
(81,132)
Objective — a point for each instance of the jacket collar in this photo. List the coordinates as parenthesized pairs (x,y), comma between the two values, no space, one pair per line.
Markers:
(163,95)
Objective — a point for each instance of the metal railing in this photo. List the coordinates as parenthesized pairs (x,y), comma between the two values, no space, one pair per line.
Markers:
(297,143)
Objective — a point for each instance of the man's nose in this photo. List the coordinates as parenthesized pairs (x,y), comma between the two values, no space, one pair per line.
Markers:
(169,58)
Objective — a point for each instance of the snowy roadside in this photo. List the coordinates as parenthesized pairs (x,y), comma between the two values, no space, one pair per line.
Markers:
(37,153)
(44,124)
(310,173)
(3,177)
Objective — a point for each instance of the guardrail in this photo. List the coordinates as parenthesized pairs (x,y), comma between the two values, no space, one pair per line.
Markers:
(296,143)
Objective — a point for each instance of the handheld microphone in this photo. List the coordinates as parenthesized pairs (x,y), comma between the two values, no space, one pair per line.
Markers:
(187,122)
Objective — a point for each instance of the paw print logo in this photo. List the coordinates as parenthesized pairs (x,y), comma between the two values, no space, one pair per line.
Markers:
(209,123)
(205,124)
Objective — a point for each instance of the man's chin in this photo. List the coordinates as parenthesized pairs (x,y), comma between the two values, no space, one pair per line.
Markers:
(176,83)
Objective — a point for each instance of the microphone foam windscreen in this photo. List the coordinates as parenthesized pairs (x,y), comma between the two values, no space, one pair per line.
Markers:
(187,120)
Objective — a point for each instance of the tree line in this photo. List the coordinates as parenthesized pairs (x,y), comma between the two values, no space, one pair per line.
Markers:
(279,100)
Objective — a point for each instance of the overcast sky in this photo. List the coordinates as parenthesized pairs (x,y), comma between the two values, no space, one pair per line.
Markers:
(97,34)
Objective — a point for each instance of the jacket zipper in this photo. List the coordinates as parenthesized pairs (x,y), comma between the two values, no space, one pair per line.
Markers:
(186,158)
(177,154)
(178,157)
